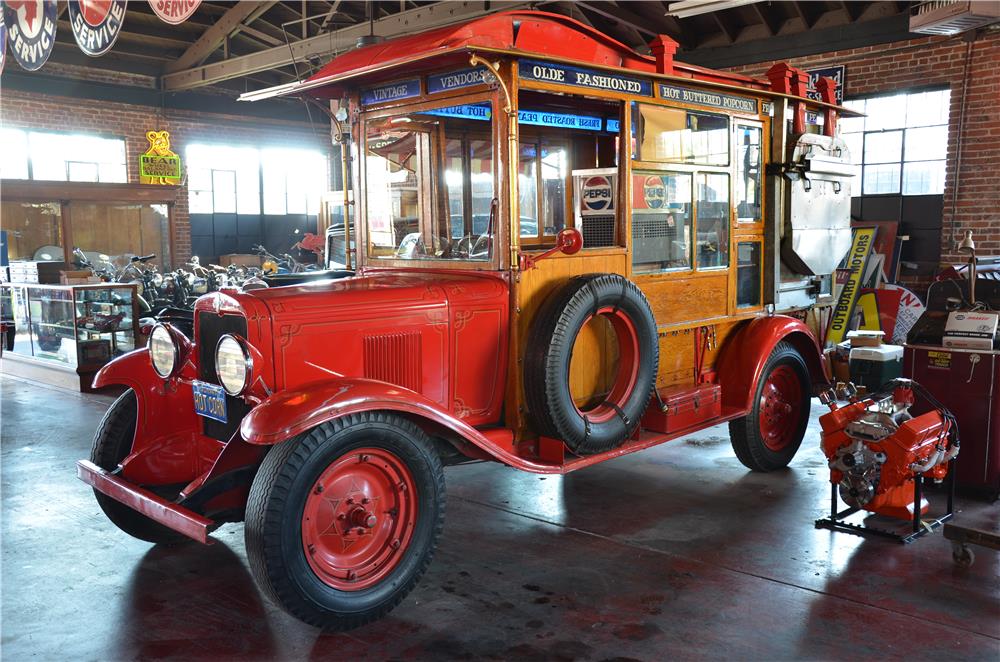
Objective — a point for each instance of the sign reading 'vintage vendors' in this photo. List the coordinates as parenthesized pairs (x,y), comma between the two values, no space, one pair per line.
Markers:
(454,80)
(401,89)
(547,72)
(713,99)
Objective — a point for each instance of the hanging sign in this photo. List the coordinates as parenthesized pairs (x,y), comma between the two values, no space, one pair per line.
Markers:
(96,24)
(402,89)
(159,165)
(31,29)
(454,80)
(548,72)
(467,111)
(839,76)
(857,261)
(562,120)
(174,12)
(713,99)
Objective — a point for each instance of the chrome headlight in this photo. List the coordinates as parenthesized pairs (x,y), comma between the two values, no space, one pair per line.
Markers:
(233,364)
(162,351)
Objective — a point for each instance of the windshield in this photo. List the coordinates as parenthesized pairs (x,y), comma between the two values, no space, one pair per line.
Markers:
(429,185)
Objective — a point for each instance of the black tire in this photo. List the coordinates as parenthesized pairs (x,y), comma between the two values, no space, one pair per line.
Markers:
(277,503)
(112,443)
(760,452)
(550,351)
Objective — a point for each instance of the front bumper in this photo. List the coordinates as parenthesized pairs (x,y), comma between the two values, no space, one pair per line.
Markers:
(158,509)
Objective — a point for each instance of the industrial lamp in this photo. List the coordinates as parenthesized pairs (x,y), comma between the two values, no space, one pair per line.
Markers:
(967,245)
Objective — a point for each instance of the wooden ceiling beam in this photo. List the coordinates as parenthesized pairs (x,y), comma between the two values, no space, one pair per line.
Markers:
(727,28)
(767,18)
(225,26)
(621,15)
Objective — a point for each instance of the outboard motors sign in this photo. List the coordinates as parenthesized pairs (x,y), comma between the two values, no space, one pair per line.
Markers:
(597,194)
(31,30)
(96,24)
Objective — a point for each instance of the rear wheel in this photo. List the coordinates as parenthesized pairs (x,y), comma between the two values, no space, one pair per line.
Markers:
(112,444)
(769,436)
(343,520)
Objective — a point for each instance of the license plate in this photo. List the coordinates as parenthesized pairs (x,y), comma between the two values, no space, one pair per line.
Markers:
(209,401)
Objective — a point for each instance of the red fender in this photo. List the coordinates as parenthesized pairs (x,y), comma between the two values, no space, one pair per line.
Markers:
(292,412)
(746,351)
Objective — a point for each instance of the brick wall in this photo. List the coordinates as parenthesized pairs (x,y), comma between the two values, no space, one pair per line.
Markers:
(131,122)
(973,191)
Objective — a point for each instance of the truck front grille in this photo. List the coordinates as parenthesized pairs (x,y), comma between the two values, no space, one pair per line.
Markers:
(211,327)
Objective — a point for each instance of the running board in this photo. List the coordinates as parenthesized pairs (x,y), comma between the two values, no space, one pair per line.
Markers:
(156,508)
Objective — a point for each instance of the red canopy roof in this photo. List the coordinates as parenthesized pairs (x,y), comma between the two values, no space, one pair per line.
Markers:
(535,32)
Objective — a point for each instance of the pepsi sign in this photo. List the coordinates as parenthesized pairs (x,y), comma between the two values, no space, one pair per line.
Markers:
(654,192)
(597,194)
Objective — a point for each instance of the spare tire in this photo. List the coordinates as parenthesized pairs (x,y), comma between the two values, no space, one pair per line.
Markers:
(606,424)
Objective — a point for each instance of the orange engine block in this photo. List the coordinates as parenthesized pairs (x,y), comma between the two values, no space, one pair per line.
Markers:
(876,450)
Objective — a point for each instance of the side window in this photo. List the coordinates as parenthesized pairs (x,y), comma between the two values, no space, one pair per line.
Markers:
(748,175)
(542,172)
(748,274)
(674,135)
(661,221)
(712,204)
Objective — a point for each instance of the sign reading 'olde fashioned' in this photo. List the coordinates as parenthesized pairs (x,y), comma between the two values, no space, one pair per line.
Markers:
(31,30)
(159,165)
(561,74)
(96,24)
(174,12)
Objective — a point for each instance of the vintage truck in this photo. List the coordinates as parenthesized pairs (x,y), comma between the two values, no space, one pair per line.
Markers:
(566,252)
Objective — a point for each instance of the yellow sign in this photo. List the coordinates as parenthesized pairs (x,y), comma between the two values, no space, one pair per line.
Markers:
(857,259)
(159,165)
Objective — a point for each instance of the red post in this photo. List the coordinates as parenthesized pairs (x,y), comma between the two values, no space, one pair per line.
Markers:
(826,86)
(663,48)
(786,79)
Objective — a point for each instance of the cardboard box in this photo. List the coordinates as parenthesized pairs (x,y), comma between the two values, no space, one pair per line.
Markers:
(865,338)
(971,329)
(240,259)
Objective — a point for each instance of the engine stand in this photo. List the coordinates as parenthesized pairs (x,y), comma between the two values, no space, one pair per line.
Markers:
(920,527)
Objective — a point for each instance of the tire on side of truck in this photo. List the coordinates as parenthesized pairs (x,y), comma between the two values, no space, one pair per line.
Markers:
(343,520)
(604,425)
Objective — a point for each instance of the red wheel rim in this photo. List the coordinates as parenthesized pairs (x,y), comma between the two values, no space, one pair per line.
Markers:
(628,366)
(359,518)
(780,409)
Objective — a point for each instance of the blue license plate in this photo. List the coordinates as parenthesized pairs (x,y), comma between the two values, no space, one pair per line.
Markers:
(209,401)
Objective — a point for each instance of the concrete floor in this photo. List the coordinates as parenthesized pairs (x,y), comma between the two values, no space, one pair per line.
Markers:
(676,552)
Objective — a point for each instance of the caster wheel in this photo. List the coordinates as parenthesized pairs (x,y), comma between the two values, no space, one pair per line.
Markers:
(962,555)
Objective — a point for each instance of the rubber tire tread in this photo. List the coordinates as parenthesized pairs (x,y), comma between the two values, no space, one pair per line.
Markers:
(112,444)
(544,376)
(270,494)
(744,433)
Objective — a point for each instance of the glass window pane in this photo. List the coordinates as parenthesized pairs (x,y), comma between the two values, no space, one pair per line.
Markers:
(881,179)
(114,173)
(674,135)
(926,108)
(661,221)
(47,160)
(712,209)
(528,189)
(33,230)
(82,172)
(923,178)
(14,147)
(885,112)
(927,143)
(855,145)
(297,190)
(224,191)
(454,178)
(852,124)
(748,202)
(747,274)
(481,169)
(883,147)
(554,189)
(200,202)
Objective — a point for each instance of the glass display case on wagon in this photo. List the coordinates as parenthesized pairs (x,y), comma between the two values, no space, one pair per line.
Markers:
(78,327)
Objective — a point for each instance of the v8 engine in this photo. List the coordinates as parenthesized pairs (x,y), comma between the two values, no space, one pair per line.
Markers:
(877,449)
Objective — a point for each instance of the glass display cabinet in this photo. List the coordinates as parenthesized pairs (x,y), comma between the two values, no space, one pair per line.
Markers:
(75,328)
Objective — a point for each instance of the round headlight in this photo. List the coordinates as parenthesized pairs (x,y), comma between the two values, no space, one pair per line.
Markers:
(233,364)
(162,351)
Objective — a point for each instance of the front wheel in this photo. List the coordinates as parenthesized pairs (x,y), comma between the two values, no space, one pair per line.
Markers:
(768,437)
(343,520)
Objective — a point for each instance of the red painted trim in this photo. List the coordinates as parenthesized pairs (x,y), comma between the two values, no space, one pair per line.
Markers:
(746,352)
(160,510)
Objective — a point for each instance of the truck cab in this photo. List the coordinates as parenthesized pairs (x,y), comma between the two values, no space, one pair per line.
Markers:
(564,251)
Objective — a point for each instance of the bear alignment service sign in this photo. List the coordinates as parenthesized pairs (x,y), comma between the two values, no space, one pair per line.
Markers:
(174,12)
(31,30)
(96,24)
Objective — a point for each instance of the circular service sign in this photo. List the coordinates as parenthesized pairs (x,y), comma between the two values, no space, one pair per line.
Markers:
(96,24)
(654,192)
(597,194)
(174,12)
(31,30)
